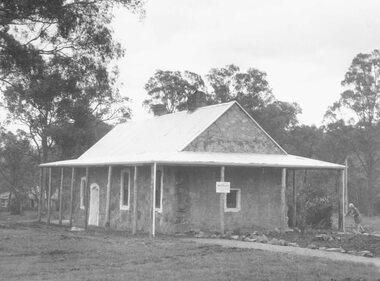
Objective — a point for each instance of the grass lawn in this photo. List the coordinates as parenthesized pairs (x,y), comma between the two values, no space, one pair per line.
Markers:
(31,251)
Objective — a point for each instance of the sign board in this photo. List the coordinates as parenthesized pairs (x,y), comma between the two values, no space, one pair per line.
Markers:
(223,187)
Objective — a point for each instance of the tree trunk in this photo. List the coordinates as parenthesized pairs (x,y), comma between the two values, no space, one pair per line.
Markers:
(44,147)
(9,201)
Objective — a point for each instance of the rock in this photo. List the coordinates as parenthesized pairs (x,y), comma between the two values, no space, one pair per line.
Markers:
(276,230)
(255,233)
(279,242)
(273,241)
(312,246)
(323,237)
(336,250)
(282,242)
(234,237)
(366,254)
(200,234)
(293,244)
(249,239)
(262,239)
(296,229)
(352,253)
(74,228)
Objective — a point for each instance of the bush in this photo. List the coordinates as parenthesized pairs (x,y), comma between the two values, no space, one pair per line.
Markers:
(15,207)
(318,212)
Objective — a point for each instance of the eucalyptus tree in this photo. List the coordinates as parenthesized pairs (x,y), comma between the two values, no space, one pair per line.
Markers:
(359,109)
(56,63)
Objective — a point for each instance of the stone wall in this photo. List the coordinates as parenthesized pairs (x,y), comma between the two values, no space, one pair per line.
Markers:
(234,131)
(260,198)
(120,219)
(189,199)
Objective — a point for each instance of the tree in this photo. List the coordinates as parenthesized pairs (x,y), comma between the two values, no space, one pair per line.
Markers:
(172,88)
(251,89)
(360,103)
(18,164)
(32,30)
(55,61)
(62,94)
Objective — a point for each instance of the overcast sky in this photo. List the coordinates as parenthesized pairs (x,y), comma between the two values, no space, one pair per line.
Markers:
(305,46)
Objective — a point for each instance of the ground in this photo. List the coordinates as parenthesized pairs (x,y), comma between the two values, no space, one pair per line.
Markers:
(35,251)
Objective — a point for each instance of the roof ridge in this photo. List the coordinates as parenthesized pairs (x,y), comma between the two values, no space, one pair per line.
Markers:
(203,107)
(176,113)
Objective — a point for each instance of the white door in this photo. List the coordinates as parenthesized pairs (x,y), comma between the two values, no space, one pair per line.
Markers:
(94,205)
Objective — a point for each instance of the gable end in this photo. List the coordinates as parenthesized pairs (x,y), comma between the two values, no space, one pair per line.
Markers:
(235,131)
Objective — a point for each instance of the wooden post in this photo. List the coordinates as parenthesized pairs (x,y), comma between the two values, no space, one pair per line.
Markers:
(342,199)
(221,202)
(339,191)
(153,200)
(294,200)
(134,223)
(108,198)
(49,198)
(40,195)
(346,186)
(283,200)
(86,200)
(60,198)
(72,195)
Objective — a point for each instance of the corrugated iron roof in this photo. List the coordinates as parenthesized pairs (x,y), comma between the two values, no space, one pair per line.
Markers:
(166,133)
(162,139)
(204,159)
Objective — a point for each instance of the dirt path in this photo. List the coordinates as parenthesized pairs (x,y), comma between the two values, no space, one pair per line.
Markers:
(288,250)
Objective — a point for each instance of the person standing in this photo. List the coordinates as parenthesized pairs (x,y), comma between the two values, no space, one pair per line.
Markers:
(353,211)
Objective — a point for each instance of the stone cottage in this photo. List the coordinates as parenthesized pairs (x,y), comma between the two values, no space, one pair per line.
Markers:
(161,175)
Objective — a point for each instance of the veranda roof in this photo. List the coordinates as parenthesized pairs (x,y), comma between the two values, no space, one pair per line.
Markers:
(204,159)
(162,140)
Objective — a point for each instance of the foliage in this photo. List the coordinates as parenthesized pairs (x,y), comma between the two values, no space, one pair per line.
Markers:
(250,89)
(55,65)
(357,114)
(18,164)
(172,88)
(34,29)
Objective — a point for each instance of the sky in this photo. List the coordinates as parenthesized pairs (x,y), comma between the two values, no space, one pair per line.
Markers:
(304,46)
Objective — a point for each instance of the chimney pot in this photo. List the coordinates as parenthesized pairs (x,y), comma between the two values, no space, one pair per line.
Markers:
(196,100)
(159,109)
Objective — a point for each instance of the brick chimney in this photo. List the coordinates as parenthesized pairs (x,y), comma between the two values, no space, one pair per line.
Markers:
(159,109)
(196,100)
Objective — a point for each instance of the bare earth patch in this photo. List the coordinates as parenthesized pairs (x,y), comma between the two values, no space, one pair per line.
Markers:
(32,251)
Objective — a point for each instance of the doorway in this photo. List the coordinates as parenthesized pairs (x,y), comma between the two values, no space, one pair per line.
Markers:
(94,205)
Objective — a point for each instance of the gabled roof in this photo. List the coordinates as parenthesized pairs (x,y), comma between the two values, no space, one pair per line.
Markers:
(162,140)
(166,133)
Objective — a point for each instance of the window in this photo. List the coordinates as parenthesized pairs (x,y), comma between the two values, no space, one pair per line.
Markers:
(159,184)
(232,201)
(125,183)
(82,191)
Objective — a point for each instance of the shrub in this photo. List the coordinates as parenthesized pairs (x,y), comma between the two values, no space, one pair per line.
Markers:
(318,212)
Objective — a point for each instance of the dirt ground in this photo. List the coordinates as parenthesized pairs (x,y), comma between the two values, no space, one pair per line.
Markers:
(34,251)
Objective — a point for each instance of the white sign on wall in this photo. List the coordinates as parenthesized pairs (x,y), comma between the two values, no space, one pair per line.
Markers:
(223,187)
